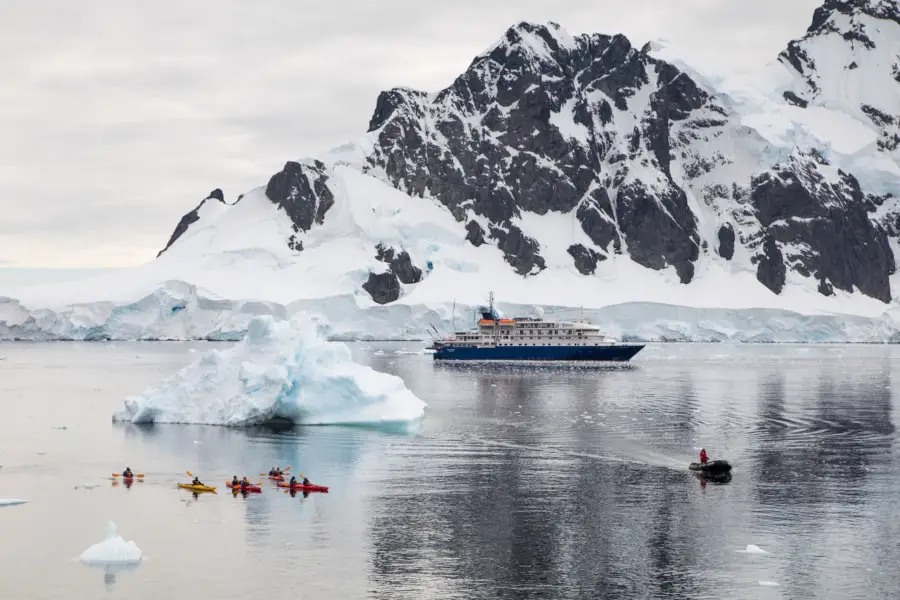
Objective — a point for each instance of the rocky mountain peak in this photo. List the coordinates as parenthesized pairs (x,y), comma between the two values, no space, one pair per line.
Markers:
(849,59)
(865,26)
(543,121)
(645,164)
(877,9)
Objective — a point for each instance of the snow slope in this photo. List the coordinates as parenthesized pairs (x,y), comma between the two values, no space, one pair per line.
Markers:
(279,371)
(240,254)
(244,269)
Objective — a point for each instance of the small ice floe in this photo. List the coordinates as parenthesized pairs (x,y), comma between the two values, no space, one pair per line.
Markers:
(87,486)
(42,452)
(11,501)
(753,549)
(769,583)
(112,551)
(197,442)
(62,427)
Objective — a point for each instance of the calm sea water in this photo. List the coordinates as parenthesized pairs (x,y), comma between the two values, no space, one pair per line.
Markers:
(522,483)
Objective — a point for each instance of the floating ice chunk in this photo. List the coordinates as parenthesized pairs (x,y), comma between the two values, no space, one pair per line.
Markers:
(280,371)
(753,549)
(87,486)
(112,551)
(769,583)
(11,501)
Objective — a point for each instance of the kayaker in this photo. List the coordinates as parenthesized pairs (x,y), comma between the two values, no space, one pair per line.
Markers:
(305,481)
(245,482)
(272,472)
(293,480)
(196,481)
(235,482)
(127,472)
(703,457)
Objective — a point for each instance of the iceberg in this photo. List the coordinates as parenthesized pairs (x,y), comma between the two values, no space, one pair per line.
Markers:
(280,371)
(112,551)
(11,501)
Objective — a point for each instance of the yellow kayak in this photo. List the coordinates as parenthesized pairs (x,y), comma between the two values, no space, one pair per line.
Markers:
(197,488)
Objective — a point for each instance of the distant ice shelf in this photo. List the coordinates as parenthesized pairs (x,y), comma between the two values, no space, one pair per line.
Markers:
(179,311)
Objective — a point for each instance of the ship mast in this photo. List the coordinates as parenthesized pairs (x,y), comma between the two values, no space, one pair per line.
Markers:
(495,317)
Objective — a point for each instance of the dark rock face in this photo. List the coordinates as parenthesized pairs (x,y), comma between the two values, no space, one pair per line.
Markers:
(586,259)
(823,228)
(191,218)
(794,99)
(520,251)
(726,241)
(400,264)
(474,234)
(302,191)
(537,130)
(383,287)
(770,269)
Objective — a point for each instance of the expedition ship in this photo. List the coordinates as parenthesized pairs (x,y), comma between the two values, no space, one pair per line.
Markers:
(531,339)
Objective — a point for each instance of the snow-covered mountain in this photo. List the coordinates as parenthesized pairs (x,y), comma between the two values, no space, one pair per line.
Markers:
(566,170)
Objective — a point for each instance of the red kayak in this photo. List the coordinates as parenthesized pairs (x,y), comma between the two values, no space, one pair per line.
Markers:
(305,488)
(245,488)
(276,477)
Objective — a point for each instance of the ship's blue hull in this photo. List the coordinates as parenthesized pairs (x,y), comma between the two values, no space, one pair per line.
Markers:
(618,353)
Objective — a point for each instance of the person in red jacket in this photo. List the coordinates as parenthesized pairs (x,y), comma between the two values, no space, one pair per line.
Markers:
(703,457)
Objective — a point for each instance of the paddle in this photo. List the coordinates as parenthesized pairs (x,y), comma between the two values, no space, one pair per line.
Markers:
(139,475)
(283,470)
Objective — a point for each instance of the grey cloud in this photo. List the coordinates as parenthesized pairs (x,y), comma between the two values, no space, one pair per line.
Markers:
(118,119)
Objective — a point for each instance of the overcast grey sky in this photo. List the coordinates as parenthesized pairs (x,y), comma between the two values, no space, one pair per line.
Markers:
(119,116)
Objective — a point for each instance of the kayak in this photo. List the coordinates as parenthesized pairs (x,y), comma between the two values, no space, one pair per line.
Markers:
(197,488)
(276,477)
(713,467)
(246,488)
(305,488)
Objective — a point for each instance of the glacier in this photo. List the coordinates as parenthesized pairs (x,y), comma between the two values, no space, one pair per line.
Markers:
(280,371)
(179,311)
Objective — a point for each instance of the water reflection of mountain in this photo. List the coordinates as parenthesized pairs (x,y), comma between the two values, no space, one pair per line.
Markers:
(816,423)
(528,523)
(823,436)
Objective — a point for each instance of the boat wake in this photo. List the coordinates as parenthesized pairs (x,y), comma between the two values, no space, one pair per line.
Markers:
(640,456)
